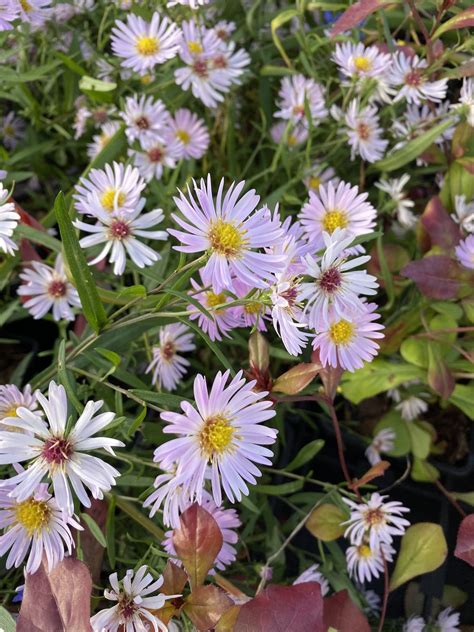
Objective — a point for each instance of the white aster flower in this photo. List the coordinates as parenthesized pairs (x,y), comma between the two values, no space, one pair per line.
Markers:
(289,134)
(364,132)
(357,61)
(403,205)
(8,222)
(366,562)
(414,624)
(464,213)
(145,119)
(411,407)
(171,494)
(8,14)
(45,287)
(12,129)
(409,74)
(191,132)
(466,100)
(318,175)
(100,141)
(295,92)
(36,12)
(60,453)
(156,155)
(193,4)
(312,574)
(167,365)
(447,621)
(11,399)
(383,441)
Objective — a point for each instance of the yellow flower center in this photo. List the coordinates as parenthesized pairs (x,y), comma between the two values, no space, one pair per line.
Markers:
(26,6)
(364,550)
(147,45)
(146,79)
(109,197)
(213,300)
(253,308)
(10,412)
(334,219)
(216,435)
(226,239)
(362,64)
(183,136)
(374,517)
(314,182)
(32,514)
(341,333)
(195,48)
(292,140)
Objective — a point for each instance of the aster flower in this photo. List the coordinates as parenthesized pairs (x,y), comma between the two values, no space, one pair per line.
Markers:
(466,100)
(156,156)
(142,45)
(336,286)
(249,314)
(408,73)
(193,4)
(229,62)
(357,61)
(60,454)
(167,365)
(11,398)
(145,119)
(12,129)
(465,252)
(364,132)
(393,187)
(464,213)
(191,132)
(100,141)
(224,431)
(170,493)
(372,599)
(287,314)
(224,29)
(222,320)
(227,521)
(312,574)
(8,13)
(197,41)
(231,231)
(411,407)
(289,134)
(135,610)
(383,441)
(35,524)
(8,222)
(318,175)
(334,207)
(448,621)
(295,91)
(114,189)
(414,624)
(376,521)
(366,562)
(119,233)
(47,288)
(36,12)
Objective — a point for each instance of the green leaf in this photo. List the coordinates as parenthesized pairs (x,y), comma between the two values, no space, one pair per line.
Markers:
(423,472)
(166,400)
(7,622)
(420,439)
(111,356)
(110,532)
(94,529)
(38,237)
(415,351)
(412,149)
(394,420)
(462,20)
(281,19)
(465,497)
(77,263)
(65,378)
(423,549)
(140,518)
(280,490)
(137,422)
(276,71)
(325,522)
(307,452)
(462,397)
(212,345)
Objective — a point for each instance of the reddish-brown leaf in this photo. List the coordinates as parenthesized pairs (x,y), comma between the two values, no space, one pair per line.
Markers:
(441,229)
(436,276)
(296,379)
(465,542)
(440,378)
(462,20)
(206,605)
(343,615)
(283,609)
(356,13)
(92,549)
(174,581)
(375,471)
(197,542)
(57,601)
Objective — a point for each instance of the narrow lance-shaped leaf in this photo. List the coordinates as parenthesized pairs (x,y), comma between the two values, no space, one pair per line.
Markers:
(356,13)
(462,20)
(81,273)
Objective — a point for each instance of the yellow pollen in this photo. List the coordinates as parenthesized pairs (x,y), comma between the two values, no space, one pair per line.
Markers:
(26,6)
(253,308)
(341,332)
(292,140)
(213,300)
(104,139)
(374,516)
(314,182)
(195,48)
(226,239)
(32,514)
(109,197)
(216,435)
(147,45)
(362,64)
(334,219)
(364,550)
(11,412)
(146,79)
(183,136)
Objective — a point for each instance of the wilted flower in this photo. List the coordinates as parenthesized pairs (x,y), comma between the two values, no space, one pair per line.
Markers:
(167,365)
(411,407)
(448,621)
(414,624)
(383,441)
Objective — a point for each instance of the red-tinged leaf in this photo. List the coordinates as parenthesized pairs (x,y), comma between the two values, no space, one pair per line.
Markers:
(341,613)
(27,252)
(465,542)
(206,605)
(174,581)
(259,357)
(440,378)
(92,550)
(57,600)
(375,471)
(228,620)
(330,377)
(296,379)
(283,609)
(356,13)
(197,542)
(441,228)
(436,276)
(462,20)
(26,218)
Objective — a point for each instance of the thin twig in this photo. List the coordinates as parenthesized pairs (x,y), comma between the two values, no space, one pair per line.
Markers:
(385,593)
(423,29)
(451,498)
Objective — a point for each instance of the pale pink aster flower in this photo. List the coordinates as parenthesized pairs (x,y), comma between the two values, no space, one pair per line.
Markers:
(349,342)
(289,134)
(225,431)
(358,61)
(394,188)
(197,41)
(60,454)
(36,12)
(222,320)
(414,624)
(318,175)
(11,398)
(464,213)
(119,233)
(231,231)
(376,520)
(336,287)
(383,441)
(100,141)
(142,45)
(448,621)
(167,365)
(409,74)
(8,222)
(12,130)
(364,132)
(294,92)
(114,189)
(224,29)
(36,524)
(466,100)
(465,252)
(135,610)
(47,288)
(366,562)
(230,61)
(334,207)
(312,574)
(227,521)
(193,4)
(145,118)
(411,407)
(192,133)
(8,13)
(156,156)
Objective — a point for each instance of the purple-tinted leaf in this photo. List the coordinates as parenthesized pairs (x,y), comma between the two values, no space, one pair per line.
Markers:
(356,13)
(341,613)
(440,378)
(465,542)
(436,276)
(441,229)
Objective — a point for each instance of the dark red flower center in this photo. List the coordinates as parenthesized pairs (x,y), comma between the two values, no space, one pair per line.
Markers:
(155,154)
(119,229)
(363,131)
(413,78)
(220,62)
(168,350)
(200,67)
(57,288)
(142,122)
(330,280)
(290,295)
(57,450)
